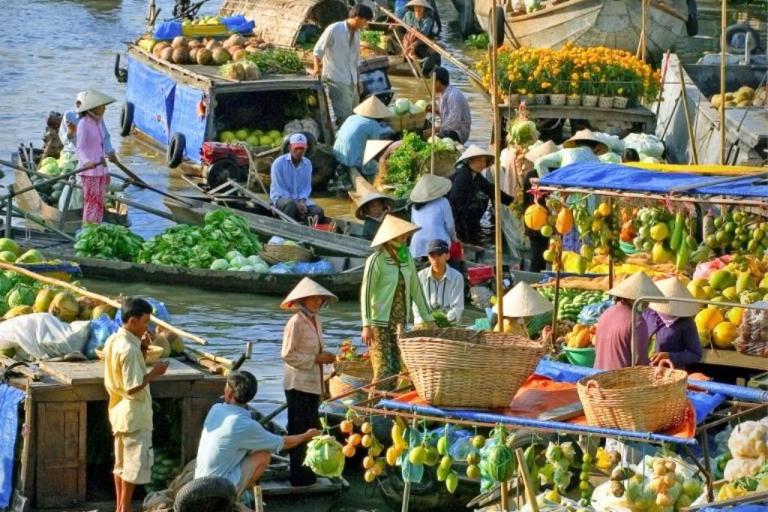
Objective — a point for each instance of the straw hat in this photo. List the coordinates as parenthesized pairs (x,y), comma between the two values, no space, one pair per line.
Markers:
(92,99)
(635,286)
(586,136)
(543,149)
(391,228)
(372,107)
(430,187)
(372,196)
(306,288)
(473,151)
(523,301)
(673,288)
(373,148)
(418,3)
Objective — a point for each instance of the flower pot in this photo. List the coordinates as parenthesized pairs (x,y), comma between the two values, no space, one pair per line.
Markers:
(557,99)
(573,100)
(589,100)
(541,98)
(530,99)
(605,102)
(620,102)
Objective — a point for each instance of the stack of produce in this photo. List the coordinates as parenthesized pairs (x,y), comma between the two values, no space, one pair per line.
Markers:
(252,136)
(744,97)
(665,489)
(736,232)
(582,336)
(572,300)
(373,463)
(668,237)
(164,470)
(51,167)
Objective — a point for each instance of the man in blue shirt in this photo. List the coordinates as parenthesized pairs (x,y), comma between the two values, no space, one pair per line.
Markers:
(292,182)
(367,123)
(235,446)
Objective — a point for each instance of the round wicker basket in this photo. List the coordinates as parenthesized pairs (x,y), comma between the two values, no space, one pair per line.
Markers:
(273,253)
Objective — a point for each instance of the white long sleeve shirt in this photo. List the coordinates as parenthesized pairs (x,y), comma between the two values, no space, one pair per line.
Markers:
(446,293)
(340,57)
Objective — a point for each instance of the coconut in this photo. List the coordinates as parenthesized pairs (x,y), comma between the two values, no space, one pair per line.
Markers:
(194,43)
(162,342)
(18,311)
(64,306)
(86,308)
(233,71)
(103,309)
(180,56)
(43,300)
(239,55)
(179,42)
(234,40)
(167,54)
(193,55)
(221,56)
(204,56)
(213,44)
(234,49)
(159,47)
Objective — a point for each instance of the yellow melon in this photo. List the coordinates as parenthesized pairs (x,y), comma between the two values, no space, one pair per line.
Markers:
(724,334)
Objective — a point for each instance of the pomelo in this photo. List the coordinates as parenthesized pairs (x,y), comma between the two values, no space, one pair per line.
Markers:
(204,56)
(221,56)
(6,244)
(7,256)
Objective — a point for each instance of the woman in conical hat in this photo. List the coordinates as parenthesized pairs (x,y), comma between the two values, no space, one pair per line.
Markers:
(432,213)
(304,355)
(367,123)
(390,286)
(677,337)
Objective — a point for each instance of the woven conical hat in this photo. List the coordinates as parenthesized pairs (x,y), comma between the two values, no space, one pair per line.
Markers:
(373,148)
(430,187)
(372,196)
(418,3)
(92,99)
(306,288)
(635,286)
(586,135)
(391,228)
(543,149)
(673,288)
(523,301)
(473,151)
(373,107)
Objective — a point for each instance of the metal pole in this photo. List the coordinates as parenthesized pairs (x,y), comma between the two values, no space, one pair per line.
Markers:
(497,176)
(723,54)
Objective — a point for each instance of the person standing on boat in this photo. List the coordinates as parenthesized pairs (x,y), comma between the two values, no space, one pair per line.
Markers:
(130,403)
(235,446)
(337,57)
(371,210)
(613,336)
(453,109)
(291,185)
(432,213)
(470,192)
(677,337)
(390,286)
(68,131)
(303,356)
(367,123)
(92,154)
(421,16)
(442,285)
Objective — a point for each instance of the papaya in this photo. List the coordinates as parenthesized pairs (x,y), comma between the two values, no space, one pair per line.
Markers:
(564,222)
(724,334)
(708,318)
(535,216)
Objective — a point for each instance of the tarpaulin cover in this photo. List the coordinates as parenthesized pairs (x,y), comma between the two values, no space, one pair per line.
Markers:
(9,425)
(620,177)
(238,23)
(167,30)
(753,507)
(189,119)
(152,94)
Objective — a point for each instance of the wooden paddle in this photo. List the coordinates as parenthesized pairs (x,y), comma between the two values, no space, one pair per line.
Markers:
(136,180)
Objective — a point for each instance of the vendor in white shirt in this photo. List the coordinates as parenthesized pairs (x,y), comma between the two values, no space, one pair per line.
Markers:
(443,286)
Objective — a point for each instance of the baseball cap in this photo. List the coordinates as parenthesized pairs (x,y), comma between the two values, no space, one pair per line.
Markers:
(438,247)
(298,140)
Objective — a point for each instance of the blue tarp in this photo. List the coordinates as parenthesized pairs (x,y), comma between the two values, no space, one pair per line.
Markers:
(238,23)
(152,94)
(753,507)
(619,177)
(187,120)
(9,426)
(167,30)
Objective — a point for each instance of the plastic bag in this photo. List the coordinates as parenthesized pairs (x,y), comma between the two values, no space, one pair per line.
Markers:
(590,314)
(75,203)
(42,336)
(158,310)
(281,268)
(316,267)
(101,329)
(753,332)
(649,145)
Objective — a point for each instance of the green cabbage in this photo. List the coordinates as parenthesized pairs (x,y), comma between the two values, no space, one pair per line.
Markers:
(402,106)
(220,264)
(522,132)
(325,457)
(21,295)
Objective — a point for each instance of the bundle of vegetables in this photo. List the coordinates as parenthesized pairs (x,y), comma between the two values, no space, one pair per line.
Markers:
(236,261)
(404,106)
(441,319)
(108,241)
(371,37)
(478,41)
(277,60)
(404,163)
(324,456)
(521,131)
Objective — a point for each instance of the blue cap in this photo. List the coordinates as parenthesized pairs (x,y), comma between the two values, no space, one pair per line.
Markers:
(438,247)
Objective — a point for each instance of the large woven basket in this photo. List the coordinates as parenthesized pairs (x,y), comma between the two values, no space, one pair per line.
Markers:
(273,253)
(639,398)
(357,369)
(465,368)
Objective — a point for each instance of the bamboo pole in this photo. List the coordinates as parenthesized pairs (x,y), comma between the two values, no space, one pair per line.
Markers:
(691,138)
(526,476)
(723,54)
(432,151)
(107,300)
(497,174)
(644,31)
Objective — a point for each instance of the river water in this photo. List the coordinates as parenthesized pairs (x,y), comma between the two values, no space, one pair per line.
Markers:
(51,49)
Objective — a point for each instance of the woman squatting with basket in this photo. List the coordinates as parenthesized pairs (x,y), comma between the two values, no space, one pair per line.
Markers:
(390,286)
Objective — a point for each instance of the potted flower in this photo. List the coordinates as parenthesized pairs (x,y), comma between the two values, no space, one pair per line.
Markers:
(574,97)
(588,90)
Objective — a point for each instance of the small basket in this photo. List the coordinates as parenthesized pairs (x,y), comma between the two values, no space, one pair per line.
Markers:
(605,102)
(274,253)
(362,370)
(639,398)
(465,368)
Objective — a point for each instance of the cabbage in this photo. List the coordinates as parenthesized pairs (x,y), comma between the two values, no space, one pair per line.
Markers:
(402,106)
(415,109)
(220,264)
(246,268)
(610,158)
(21,295)
(231,255)
(261,268)
(522,132)
(325,457)
(255,260)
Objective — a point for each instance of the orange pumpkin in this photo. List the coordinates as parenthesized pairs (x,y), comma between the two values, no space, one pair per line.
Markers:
(564,222)
(536,216)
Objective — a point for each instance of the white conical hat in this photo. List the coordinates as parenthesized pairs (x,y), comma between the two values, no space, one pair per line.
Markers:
(418,3)
(391,228)
(306,288)
(543,149)
(373,148)
(635,286)
(430,187)
(372,107)
(586,135)
(372,196)
(92,99)
(673,288)
(523,301)
(473,151)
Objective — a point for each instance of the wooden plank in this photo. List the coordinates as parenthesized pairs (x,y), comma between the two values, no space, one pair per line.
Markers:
(193,413)
(92,372)
(636,114)
(61,440)
(733,358)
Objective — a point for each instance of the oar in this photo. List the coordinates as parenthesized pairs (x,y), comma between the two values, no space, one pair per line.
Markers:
(136,180)
(115,304)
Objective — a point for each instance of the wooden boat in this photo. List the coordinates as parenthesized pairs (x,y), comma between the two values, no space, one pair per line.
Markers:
(612,23)
(747,127)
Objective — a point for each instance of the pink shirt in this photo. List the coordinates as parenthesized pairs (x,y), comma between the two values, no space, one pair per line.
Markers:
(613,339)
(90,146)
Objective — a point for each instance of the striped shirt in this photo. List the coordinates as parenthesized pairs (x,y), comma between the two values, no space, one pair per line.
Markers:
(446,293)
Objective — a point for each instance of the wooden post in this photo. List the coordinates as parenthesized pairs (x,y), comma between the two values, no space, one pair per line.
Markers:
(432,151)
(531,495)
(497,174)
(691,139)
(723,54)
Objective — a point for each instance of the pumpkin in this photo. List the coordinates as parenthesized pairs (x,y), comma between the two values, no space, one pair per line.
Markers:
(564,222)
(536,216)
